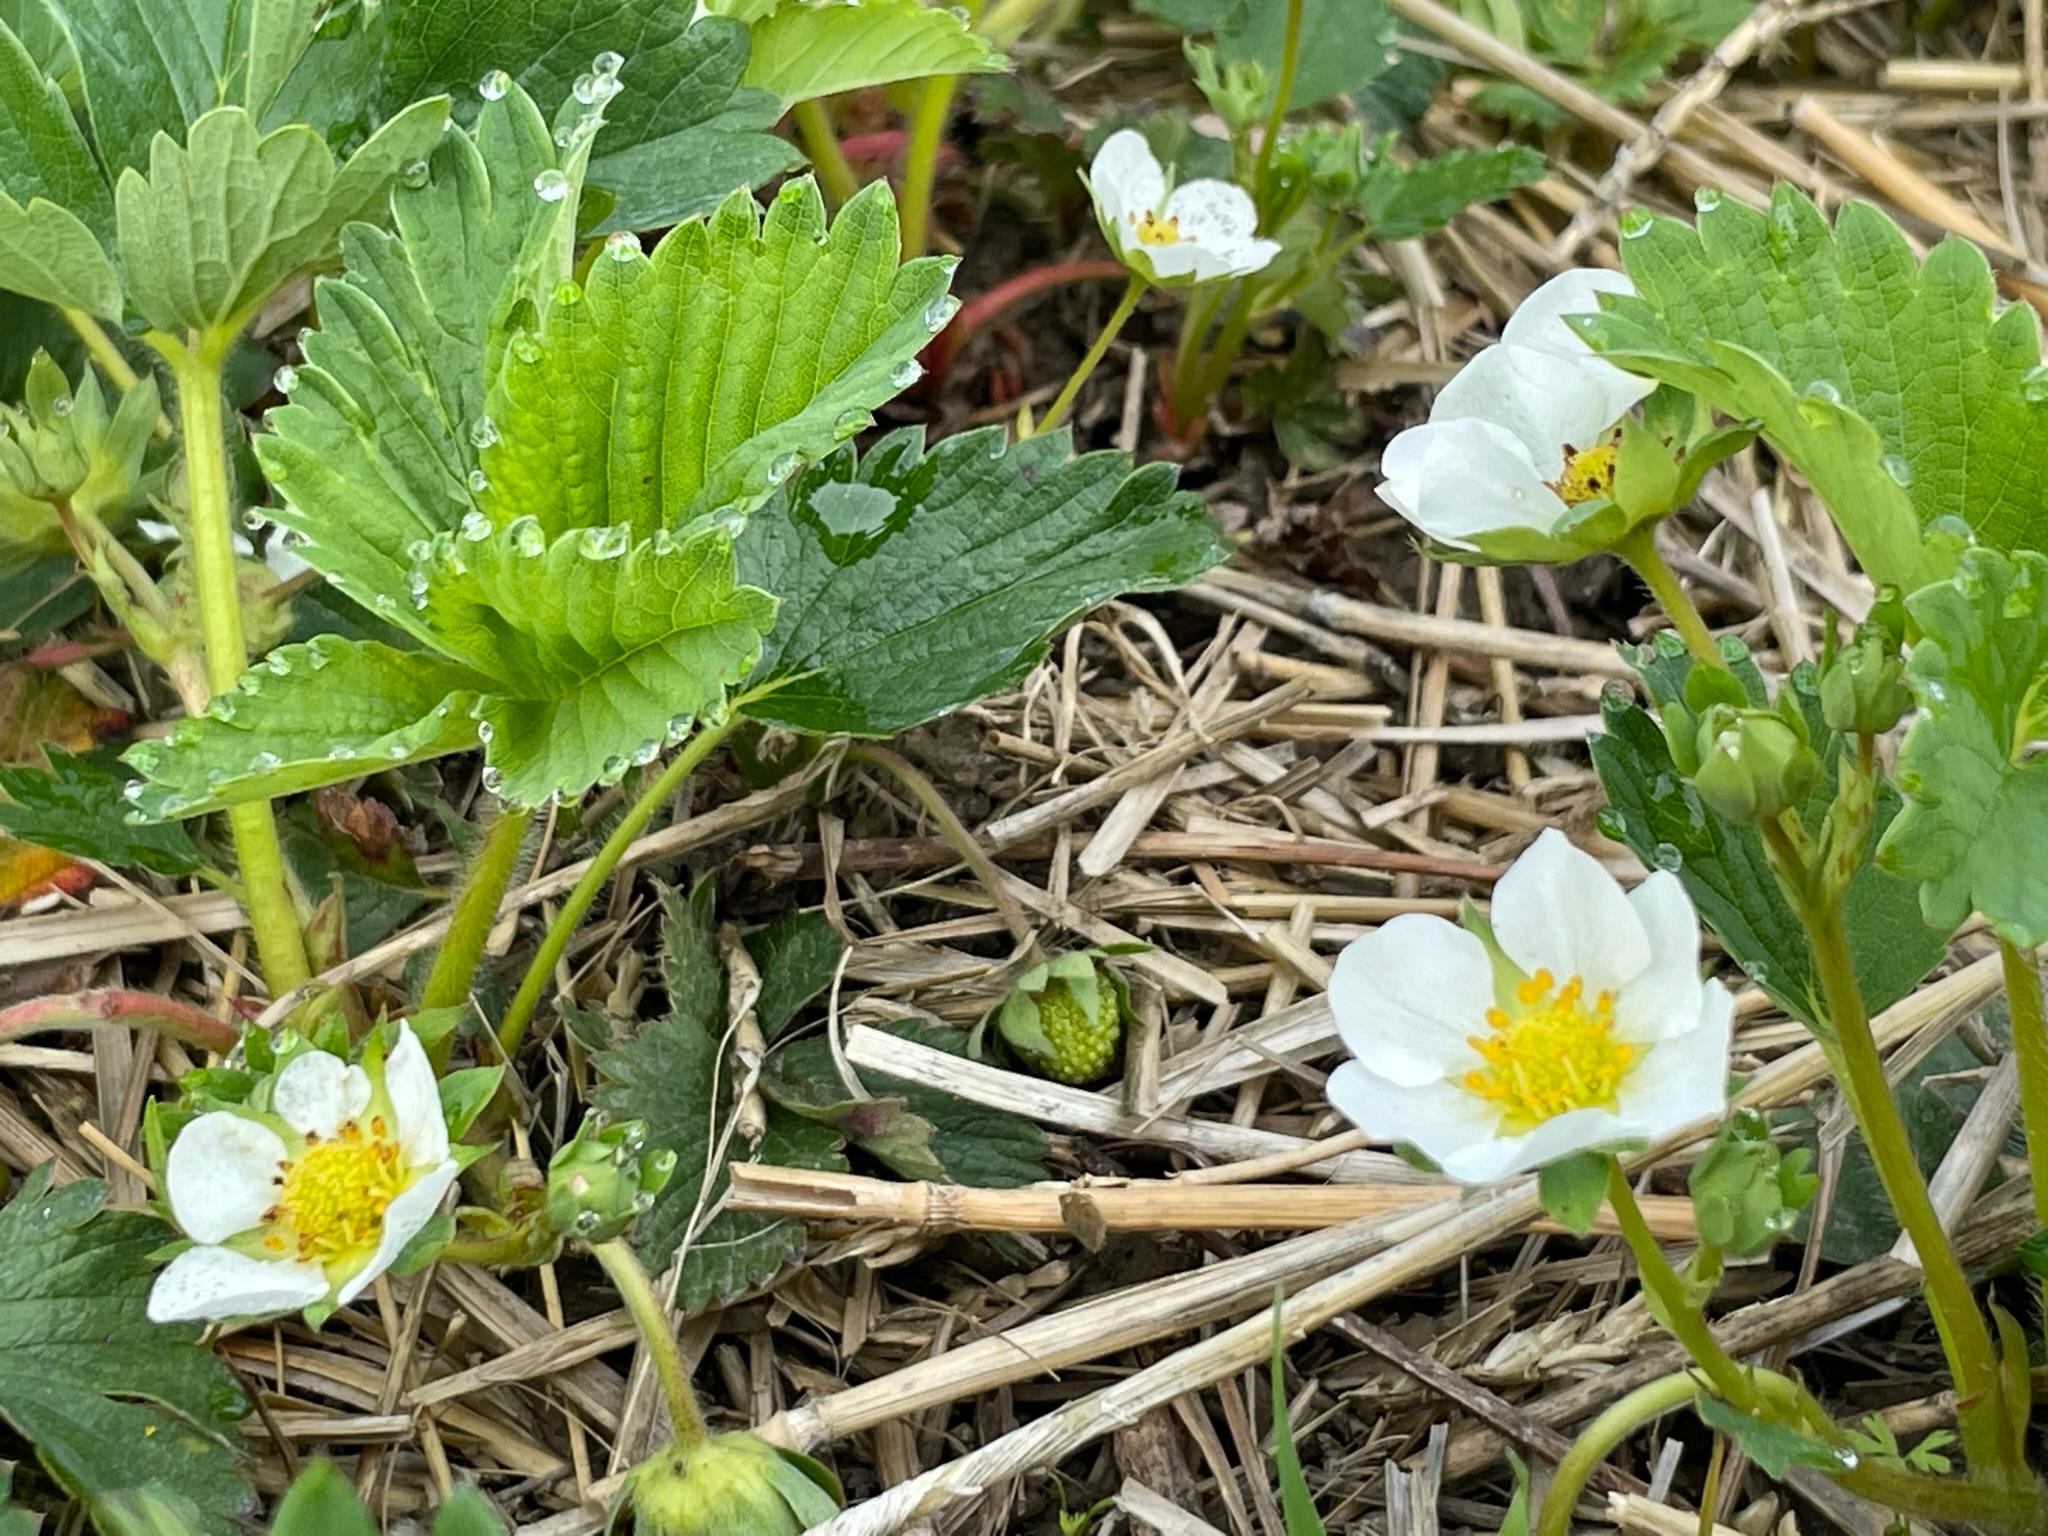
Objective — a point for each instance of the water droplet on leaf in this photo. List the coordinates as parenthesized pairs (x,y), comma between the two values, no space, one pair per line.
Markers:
(551,186)
(483,432)
(494,85)
(286,379)
(1900,471)
(622,245)
(1667,858)
(414,175)
(1706,199)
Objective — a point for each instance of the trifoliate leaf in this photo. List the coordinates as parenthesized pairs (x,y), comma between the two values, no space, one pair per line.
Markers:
(42,153)
(683,131)
(1976,796)
(77,807)
(1399,202)
(913,581)
(698,380)
(1662,819)
(223,218)
(599,656)
(111,1401)
(1896,387)
(800,51)
(337,710)
(378,447)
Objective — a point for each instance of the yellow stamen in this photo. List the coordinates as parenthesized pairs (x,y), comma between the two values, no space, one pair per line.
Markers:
(336,1192)
(1588,475)
(1552,1056)
(1154,230)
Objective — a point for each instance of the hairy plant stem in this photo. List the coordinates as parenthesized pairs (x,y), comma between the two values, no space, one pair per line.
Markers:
(1283,88)
(951,828)
(512,1028)
(928,118)
(1639,548)
(1972,1358)
(836,178)
(2030,1047)
(651,1318)
(1064,401)
(1596,1442)
(1681,1315)
(196,372)
(484,884)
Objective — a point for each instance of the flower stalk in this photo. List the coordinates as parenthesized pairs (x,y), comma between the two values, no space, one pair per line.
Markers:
(1598,1440)
(1639,548)
(835,173)
(1283,89)
(1125,307)
(636,1291)
(476,910)
(196,370)
(1680,1314)
(2030,1047)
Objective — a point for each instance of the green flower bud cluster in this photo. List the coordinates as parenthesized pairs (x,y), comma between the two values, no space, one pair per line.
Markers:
(604,1178)
(1862,686)
(1748,763)
(1066,1017)
(1746,1194)
(729,1485)
(64,447)
(1236,91)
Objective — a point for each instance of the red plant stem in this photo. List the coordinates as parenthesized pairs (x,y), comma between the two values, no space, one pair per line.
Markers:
(121,1007)
(884,146)
(979,311)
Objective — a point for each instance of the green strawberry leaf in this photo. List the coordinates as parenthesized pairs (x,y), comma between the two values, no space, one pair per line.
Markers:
(1775,1448)
(47,253)
(698,379)
(914,581)
(77,807)
(1345,44)
(42,152)
(1573,1189)
(112,1402)
(322,1502)
(222,219)
(1976,796)
(803,51)
(798,955)
(310,715)
(683,132)
(1399,202)
(1830,337)
(1660,817)
(148,67)
(599,655)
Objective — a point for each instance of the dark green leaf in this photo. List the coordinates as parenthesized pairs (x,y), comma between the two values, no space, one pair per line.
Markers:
(42,153)
(914,582)
(1399,202)
(797,956)
(111,1401)
(77,807)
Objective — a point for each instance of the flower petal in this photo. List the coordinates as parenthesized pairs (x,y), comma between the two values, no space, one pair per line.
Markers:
(1578,1130)
(1549,403)
(214,1284)
(1453,479)
(220,1175)
(403,1218)
(1558,909)
(1664,1000)
(1126,177)
(316,1094)
(1683,1077)
(1538,321)
(1445,1122)
(416,1100)
(1213,213)
(1409,995)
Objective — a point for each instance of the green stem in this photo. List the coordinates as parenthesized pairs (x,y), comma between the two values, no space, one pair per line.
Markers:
(2030,1046)
(1283,89)
(1063,402)
(834,172)
(113,362)
(921,160)
(1972,1358)
(196,372)
(1596,1442)
(1685,1320)
(651,1318)
(476,910)
(1950,1501)
(512,1029)
(1639,548)
(1230,338)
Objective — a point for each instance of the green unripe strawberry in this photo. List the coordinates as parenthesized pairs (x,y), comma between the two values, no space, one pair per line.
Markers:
(1066,1017)
(727,1485)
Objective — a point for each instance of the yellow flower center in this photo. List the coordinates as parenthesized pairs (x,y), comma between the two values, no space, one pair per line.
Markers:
(1552,1055)
(1588,475)
(1153,230)
(334,1194)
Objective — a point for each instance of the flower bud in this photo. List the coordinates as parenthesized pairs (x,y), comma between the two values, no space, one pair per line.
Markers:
(603,1178)
(727,1485)
(1746,1194)
(1863,690)
(1236,92)
(1753,763)
(1066,1017)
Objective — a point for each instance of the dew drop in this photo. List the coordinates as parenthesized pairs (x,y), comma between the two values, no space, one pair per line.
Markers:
(479,482)
(384,602)
(614,769)
(1706,199)
(1822,390)
(525,348)
(527,538)
(568,295)
(414,175)
(277,664)
(850,422)
(646,753)
(342,754)
(551,186)
(418,550)
(494,85)
(1667,858)
(606,543)
(263,762)
(1900,471)
(939,311)
(494,780)
(61,406)
(907,373)
(253,519)
(317,657)
(135,818)
(221,707)
(483,432)
(485,731)
(1635,223)
(2034,384)
(132,791)
(476,527)
(784,466)
(286,379)
(622,245)
(608,63)
(586,90)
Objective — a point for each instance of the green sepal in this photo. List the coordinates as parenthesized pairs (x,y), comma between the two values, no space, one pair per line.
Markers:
(1573,1189)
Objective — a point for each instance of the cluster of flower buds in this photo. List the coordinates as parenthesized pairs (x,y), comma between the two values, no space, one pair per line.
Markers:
(603,1178)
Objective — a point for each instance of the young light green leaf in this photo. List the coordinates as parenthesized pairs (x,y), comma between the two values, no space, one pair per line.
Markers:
(697,380)
(467,1512)
(47,253)
(76,806)
(337,710)
(112,1402)
(1399,202)
(914,582)
(322,1502)
(1345,44)
(1297,1504)
(803,51)
(600,656)
(683,132)
(1827,337)
(1976,796)
(222,219)
(42,153)
(1573,1189)
(1775,1448)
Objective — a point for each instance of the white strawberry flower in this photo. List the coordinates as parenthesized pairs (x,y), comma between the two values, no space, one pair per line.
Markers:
(311,1200)
(1579,1022)
(1522,436)
(1199,232)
